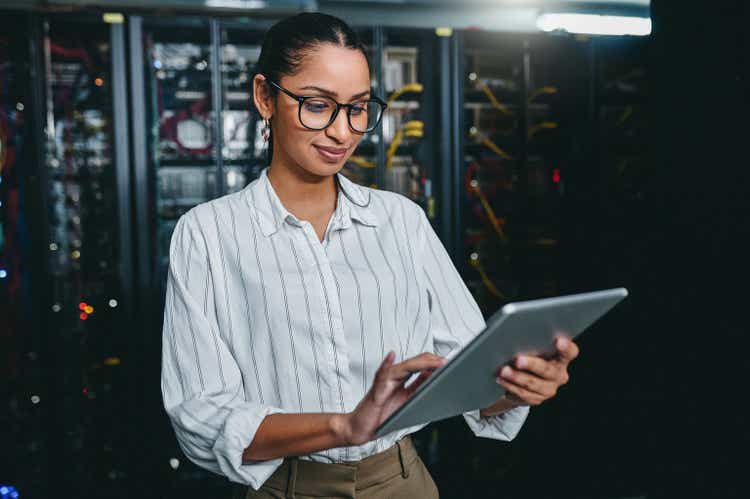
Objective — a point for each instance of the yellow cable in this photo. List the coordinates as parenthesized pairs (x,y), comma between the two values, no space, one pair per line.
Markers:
(493,100)
(413,129)
(546,90)
(474,133)
(627,113)
(362,162)
(485,278)
(410,87)
(544,125)
(496,222)
(392,148)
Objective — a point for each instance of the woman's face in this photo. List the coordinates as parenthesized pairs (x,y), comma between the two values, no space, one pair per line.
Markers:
(338,72)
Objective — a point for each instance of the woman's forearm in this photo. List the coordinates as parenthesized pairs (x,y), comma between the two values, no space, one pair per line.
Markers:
(281,435)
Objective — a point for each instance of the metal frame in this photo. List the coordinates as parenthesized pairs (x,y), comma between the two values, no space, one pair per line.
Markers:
(122,165)
(453,178)
(217,103)
(140,159)
(378,45)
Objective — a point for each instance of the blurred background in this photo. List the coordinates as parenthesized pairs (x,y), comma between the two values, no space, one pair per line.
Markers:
(556,146)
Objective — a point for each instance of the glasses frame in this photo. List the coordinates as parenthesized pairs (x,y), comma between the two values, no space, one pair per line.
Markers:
(302,98)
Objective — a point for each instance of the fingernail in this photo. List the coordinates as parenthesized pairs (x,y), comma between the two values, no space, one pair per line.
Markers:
(521,362)
(562,342)
(506,372)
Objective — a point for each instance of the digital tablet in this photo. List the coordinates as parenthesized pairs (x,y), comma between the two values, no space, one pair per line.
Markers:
(467,381)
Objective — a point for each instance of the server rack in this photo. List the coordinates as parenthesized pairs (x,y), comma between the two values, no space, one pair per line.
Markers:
(519,123)
(75,227)
(24,379)
(410,126)
(86,160)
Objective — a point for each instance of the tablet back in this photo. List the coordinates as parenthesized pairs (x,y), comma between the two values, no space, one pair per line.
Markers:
(467,381)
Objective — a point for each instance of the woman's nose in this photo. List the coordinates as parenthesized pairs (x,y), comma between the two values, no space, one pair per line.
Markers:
(339,129)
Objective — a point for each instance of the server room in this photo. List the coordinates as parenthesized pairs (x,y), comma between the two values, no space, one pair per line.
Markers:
(191,268)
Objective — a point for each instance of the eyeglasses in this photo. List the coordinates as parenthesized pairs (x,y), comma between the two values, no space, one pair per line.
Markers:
(317,112)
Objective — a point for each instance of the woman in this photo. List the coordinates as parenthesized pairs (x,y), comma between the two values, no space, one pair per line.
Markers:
(298,308)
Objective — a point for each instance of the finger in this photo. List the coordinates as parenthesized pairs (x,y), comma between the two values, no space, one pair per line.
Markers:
(524,396)
(415,364)
(387,361)
(417,382)
(539,366)
(529,382)
(566,348)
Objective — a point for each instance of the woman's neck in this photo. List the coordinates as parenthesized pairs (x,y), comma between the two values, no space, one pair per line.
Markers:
(307,196)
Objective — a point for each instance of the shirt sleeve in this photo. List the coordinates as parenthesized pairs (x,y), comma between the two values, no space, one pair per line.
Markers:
(201,382)
(455,319)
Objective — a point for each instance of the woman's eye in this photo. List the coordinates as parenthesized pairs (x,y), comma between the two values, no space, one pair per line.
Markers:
(359,109)
(317,106)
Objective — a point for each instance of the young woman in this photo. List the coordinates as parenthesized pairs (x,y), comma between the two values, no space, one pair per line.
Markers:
(298,308)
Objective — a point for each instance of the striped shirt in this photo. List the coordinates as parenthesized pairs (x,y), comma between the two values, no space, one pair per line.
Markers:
(262,317)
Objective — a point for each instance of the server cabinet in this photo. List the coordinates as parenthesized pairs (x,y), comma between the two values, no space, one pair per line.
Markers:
(84,184)
(522,111)
(244,153)
(24,380)
(621,93)
(181,130)
(410,125)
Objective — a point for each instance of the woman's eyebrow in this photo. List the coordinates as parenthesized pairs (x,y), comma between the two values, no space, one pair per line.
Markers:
(334,94)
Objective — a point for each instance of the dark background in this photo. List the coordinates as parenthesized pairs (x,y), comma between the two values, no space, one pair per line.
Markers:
(656,406)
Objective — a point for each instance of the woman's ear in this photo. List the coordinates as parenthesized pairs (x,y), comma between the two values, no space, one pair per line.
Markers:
(262,97)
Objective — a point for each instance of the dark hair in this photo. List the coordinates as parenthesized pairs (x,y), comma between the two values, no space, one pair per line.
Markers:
(287,41)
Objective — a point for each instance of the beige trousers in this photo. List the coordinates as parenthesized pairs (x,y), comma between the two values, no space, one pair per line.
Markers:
(396,473)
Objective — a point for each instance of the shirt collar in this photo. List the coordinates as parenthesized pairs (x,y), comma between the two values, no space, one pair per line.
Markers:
(354,203)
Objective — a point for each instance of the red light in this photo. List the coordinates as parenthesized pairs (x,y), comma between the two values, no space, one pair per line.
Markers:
(556,175)
(82,305)
(83,316)
(85,391)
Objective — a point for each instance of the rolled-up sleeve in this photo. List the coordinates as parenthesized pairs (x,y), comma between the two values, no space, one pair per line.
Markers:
(455,319)
(201,383)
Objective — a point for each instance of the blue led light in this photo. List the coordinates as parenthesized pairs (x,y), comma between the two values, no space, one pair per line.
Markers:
(3,274)
(8,492)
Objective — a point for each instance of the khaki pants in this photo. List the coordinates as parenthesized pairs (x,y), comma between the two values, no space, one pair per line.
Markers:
(395,473)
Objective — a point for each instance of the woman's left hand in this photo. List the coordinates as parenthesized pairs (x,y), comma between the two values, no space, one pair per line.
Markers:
(531,380)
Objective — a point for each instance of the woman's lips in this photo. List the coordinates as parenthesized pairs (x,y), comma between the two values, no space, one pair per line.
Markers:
(331,153)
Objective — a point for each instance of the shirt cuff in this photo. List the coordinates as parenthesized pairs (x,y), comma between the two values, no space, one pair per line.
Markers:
(238,432)
(503,426)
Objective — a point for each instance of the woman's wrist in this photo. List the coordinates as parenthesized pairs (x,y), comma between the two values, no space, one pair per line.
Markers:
(341,428)
(502,405)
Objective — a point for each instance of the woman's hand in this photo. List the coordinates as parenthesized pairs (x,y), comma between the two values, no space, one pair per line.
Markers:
(387,394)
(532,379)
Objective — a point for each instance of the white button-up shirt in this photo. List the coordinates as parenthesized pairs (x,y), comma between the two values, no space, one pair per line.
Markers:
(262,317)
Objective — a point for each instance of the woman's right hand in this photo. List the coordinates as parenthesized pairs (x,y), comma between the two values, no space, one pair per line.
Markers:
(387,394)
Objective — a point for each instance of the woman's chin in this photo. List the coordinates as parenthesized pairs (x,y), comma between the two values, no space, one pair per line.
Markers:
(323,169)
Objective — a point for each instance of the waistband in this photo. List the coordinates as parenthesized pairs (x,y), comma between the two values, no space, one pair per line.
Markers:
(330,479)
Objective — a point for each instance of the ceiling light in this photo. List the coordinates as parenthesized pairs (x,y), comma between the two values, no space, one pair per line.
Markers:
(594,24)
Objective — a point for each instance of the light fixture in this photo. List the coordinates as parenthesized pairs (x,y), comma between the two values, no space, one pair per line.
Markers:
(594,24)
(236,4)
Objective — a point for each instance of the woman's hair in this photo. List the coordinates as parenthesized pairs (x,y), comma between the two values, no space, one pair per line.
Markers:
(286,43)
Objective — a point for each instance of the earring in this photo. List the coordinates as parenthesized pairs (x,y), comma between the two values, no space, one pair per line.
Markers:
(266,130)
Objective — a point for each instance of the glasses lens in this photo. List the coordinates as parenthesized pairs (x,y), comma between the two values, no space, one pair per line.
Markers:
(316,112)
(364,116)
